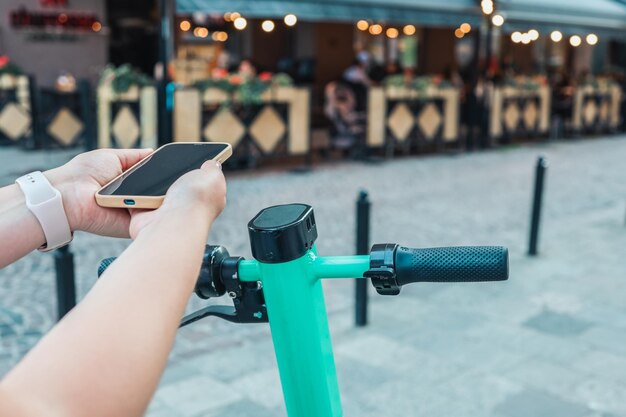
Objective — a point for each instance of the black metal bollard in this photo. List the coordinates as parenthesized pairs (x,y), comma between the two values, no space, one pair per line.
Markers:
(540,172)
(362,248)
(66,288)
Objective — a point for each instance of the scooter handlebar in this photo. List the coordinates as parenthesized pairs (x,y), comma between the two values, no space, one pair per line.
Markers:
(451,264)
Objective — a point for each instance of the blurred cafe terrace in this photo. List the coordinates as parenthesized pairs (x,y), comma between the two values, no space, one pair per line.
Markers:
(295,82)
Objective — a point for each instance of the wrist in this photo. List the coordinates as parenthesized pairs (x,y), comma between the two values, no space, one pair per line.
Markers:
(65,184)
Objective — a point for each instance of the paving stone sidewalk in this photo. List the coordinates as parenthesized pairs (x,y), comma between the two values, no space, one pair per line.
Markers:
(549,342)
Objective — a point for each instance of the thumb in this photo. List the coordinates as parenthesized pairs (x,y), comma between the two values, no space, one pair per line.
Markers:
(211,164)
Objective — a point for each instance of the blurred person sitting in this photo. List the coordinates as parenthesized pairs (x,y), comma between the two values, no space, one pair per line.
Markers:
(247,70)
(341,108)
(357,72)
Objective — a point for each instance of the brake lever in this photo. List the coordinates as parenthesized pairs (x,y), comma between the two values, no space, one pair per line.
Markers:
(223,312)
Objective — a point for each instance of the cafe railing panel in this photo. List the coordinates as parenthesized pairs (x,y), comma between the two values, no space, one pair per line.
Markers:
(519,113)
(596,109)
(65,117)
(278,125)
(127,119)
(399,117)
(17,125)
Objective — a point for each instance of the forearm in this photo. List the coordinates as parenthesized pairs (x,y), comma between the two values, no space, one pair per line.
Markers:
(110,351)
(19,228)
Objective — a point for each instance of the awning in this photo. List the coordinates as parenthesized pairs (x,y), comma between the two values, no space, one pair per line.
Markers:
(424,12)
(569,16)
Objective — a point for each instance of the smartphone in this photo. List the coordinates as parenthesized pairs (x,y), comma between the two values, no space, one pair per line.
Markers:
(145,184)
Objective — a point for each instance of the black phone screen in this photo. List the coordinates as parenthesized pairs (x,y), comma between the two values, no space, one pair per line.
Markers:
(154,175)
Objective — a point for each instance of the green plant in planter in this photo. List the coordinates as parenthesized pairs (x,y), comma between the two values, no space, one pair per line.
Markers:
(8,67)
(397,80)
(281,80)
(222,84)
(249,91)
(422,83)
(122,78)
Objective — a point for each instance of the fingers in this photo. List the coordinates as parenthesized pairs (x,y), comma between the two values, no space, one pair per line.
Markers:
(204,187)
(211,164)
(129,157)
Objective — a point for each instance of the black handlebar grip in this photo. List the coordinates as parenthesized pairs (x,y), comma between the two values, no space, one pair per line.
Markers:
(452,264)
(104,264)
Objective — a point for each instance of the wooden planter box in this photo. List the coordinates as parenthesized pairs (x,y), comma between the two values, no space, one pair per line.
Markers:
(406,117)
(519,113)
(596,109)
(16,111)
(278,126)
(127,120)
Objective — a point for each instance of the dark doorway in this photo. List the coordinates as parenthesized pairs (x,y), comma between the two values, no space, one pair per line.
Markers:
(134,33)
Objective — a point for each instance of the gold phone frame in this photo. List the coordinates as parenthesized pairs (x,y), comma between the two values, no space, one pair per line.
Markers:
(151,202)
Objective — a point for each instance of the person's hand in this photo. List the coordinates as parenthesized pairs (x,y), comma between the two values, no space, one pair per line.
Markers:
(80,178)
(201,191)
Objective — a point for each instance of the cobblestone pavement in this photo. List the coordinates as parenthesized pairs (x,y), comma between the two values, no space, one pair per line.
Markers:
(549,342)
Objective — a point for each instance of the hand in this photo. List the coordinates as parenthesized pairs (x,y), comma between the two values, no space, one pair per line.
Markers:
(80,178)
(201,191)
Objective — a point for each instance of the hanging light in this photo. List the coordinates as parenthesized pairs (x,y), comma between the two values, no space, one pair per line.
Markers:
(240,23)
(290,19)
(376,29)
(267,25)
(362,25)
(487,6)
(592,39)
(497,20)
(392,33)
(458,33)
(575,41)
(185,25)
(97,26)
(556,36)
(409,30)
(516,37)
(534,34)
(526,38)
(201,32)
(465,28)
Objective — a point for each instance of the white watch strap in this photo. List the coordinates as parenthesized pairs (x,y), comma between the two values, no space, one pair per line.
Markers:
(45,202)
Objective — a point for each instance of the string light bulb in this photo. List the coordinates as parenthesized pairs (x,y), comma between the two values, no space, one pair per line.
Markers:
(362,25)
(240,23)
(185,25)
(556,36)
(575,41)
(392,33)
(290,19)
(376,29)
(267,26)
(497,20)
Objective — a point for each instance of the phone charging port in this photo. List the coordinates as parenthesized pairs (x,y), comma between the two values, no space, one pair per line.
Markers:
(129,202)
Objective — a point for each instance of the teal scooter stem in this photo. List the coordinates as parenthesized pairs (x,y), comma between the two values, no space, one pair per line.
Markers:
(297,316)
(282,286)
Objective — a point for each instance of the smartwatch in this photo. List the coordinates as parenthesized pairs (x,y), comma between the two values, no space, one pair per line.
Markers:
(45,202)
